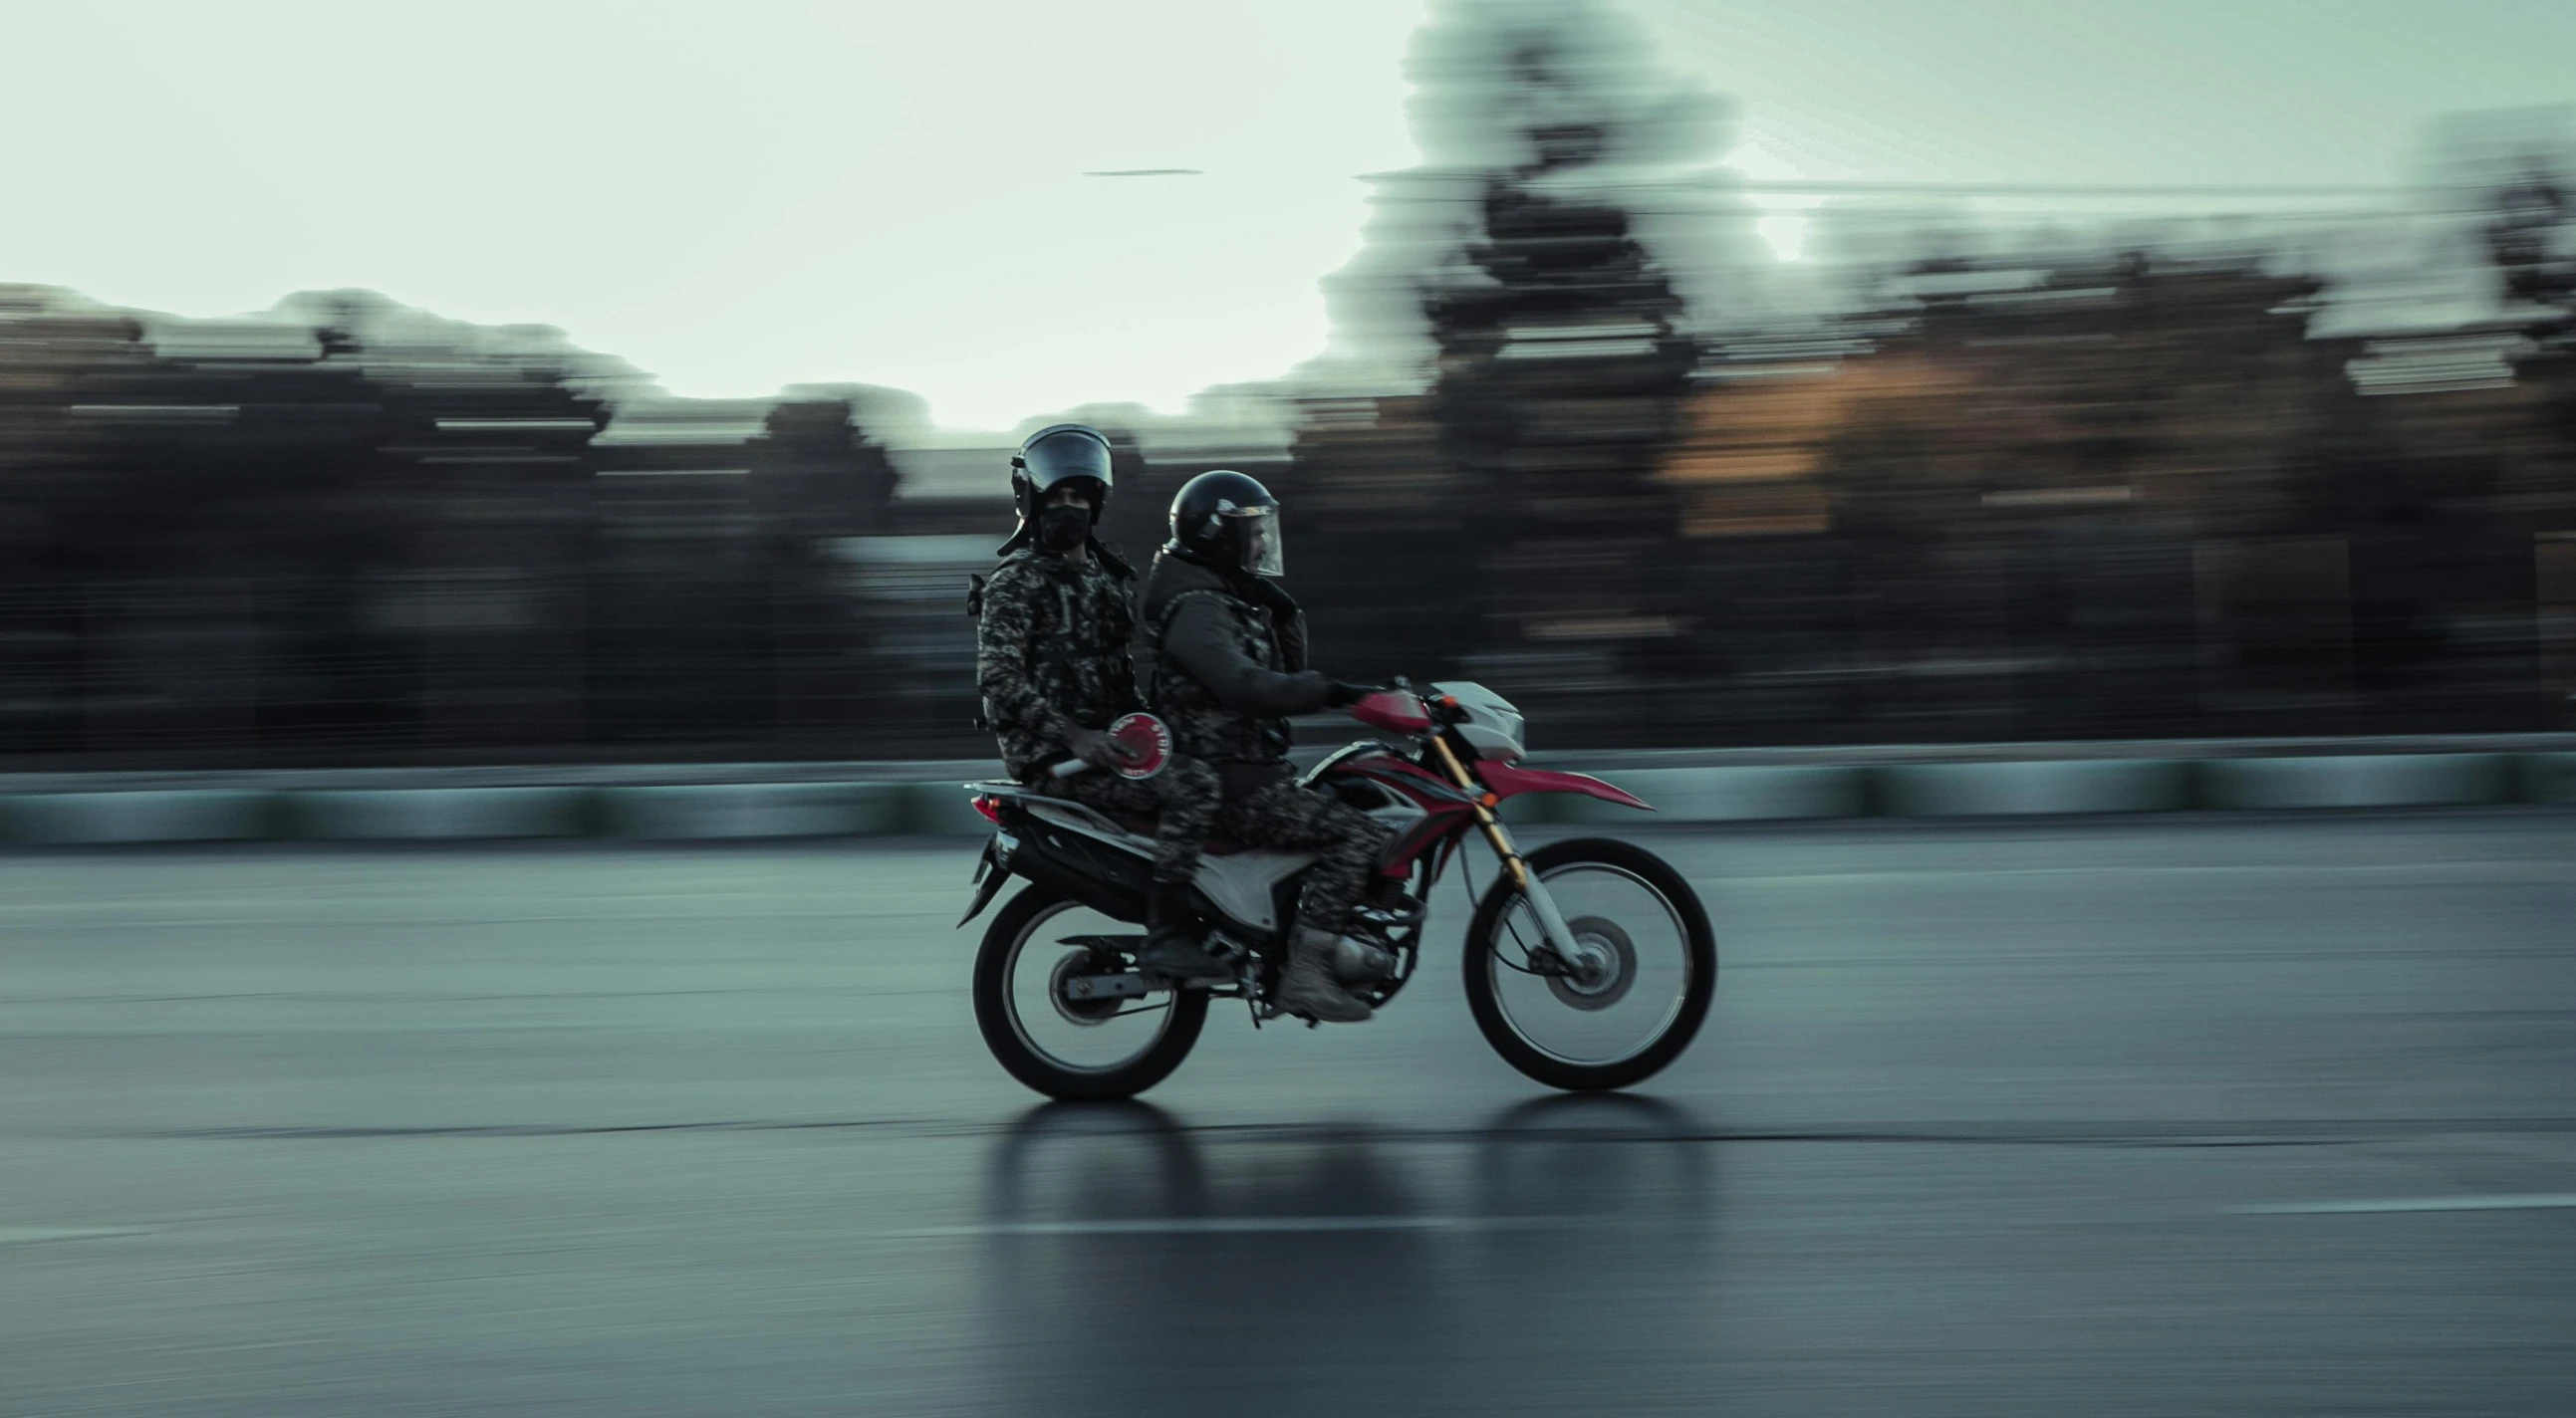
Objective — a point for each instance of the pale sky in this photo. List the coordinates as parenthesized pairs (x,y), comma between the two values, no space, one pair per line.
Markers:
(738,196)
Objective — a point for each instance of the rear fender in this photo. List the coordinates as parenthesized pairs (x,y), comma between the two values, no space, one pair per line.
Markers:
(1107,876)
(991,870)
(1505,781)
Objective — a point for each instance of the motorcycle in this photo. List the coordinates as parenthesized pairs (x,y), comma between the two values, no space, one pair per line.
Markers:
(1590,964)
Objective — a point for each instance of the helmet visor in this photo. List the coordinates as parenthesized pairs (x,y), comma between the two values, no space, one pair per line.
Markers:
(1052,459)
(1257,538)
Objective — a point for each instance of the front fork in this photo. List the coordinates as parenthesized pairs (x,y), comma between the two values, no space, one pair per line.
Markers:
(1560,937)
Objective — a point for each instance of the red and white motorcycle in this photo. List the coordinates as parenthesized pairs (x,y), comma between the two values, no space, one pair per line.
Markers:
(1589,962)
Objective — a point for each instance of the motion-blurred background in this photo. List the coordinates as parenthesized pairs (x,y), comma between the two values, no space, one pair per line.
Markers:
(564,430)
(1989,372)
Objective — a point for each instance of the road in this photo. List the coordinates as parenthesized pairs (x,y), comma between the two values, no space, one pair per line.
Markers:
(2252,1115)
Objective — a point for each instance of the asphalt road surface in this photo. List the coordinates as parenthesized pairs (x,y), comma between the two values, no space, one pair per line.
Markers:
(2182,1116)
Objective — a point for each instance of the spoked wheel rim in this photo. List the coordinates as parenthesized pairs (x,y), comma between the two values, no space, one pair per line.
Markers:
(1080,1037)
(1636,968)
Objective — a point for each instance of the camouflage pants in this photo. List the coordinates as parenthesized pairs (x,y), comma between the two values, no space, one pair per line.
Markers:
(1344,839)
(1184,795)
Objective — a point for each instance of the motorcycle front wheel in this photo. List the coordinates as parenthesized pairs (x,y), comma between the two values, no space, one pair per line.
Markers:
(1065,1047)
(1647,974)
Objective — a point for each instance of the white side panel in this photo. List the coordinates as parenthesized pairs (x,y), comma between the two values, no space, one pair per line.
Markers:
(1090,824)
(1240,885)
(1398,817)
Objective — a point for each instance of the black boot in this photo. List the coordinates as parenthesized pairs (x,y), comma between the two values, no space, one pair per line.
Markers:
(1308,987)
(1170,951)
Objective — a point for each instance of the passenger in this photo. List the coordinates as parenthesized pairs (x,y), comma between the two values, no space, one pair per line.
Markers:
(1051,638)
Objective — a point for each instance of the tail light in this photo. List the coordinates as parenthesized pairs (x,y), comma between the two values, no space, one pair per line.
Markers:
(990,809)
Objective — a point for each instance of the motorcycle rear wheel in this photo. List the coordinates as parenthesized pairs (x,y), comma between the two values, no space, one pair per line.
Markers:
(1016,970)
(1611,894)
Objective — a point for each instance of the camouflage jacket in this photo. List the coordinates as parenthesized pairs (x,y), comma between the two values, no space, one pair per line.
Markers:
(1051,652)
(1229,666)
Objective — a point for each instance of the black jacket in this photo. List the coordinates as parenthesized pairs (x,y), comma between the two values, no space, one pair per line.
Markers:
(1051,653)
(1229,666)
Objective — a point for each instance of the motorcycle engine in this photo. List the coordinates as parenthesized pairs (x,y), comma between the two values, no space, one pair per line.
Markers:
(1357,962)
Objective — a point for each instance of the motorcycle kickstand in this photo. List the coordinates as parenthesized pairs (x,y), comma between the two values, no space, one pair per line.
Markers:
(1262,1012)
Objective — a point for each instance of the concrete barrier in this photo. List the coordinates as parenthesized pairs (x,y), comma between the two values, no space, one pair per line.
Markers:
(176,815)
(2059,786)
(1753,793)
(2374,780)
(2546,778)
(707,811)
(436,814)
(927,799)
(940,809)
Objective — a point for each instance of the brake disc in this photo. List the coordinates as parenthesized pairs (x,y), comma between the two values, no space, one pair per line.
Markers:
(1605,967)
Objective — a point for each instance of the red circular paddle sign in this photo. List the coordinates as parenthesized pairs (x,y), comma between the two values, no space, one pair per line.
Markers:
(1145,737)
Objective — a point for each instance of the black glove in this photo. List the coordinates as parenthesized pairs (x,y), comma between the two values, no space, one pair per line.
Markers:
(1342,696)
(1096,748)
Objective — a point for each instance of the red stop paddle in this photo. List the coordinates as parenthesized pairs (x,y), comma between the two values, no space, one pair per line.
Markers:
(1147,741)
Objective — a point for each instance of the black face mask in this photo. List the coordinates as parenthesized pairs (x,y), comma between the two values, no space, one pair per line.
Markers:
(1063,528)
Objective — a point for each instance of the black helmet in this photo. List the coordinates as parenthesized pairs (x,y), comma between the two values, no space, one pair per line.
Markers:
(1229,521)
(1054,454)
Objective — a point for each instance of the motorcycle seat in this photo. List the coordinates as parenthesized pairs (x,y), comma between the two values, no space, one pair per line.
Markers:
(1143,826)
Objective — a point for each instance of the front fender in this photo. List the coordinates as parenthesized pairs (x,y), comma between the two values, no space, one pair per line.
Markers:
(1505,781)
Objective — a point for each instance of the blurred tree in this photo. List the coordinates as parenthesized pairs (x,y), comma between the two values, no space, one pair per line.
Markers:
(1561,351)
(2528,234)
(817,477)
(2023,476)
(59,499)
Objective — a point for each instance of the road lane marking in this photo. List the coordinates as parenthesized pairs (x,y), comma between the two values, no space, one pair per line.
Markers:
(2529,1201)
(1234,1225)
(29,1235)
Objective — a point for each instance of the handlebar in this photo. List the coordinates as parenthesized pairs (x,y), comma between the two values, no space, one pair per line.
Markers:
(1442,709)
(1401,708)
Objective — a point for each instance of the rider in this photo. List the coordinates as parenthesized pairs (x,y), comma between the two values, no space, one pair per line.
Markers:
(1052,627)
(1229,668)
